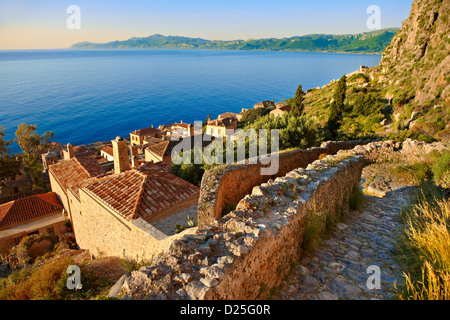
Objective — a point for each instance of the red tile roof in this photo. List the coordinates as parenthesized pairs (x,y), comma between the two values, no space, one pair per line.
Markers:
(29,208)
(74,171)
(225,122)
(108,150)
(145,131)
(164,148)
(281,110)
(182,125)
(144,192)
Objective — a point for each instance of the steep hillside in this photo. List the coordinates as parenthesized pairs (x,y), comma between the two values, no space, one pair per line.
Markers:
(415,68)
(411,80)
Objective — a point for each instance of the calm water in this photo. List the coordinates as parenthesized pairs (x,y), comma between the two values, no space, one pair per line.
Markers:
(89,96)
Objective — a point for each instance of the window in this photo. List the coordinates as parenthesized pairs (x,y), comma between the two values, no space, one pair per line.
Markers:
(50,230)
(17,240)
(32,233)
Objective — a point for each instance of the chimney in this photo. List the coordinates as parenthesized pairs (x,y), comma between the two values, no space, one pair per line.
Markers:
(120,154)
(69,153)
(181,121)
(134,161)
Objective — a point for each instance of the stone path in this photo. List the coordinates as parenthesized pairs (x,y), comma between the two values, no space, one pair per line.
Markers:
(168,224)
(338,268)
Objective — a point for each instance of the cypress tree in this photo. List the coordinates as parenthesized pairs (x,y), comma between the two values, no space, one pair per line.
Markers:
(297,105)
(337,106)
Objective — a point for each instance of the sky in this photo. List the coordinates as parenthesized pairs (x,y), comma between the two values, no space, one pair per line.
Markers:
(42,24)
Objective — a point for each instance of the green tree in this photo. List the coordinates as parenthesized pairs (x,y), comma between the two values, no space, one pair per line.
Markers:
(32,144)
(10,165)
(252,114)
(337,107)
(367,104)
(297,103)
(339,95)
(295,132)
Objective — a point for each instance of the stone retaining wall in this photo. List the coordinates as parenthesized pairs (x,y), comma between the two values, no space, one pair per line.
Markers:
(224,186)
(250,250)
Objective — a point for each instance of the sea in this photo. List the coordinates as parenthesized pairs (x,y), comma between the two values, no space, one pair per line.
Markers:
(85,96)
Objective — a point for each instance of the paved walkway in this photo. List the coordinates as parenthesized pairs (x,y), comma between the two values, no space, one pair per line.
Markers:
(339,267)
(168,224)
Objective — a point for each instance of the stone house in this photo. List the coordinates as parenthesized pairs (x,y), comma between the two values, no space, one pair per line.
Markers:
(278,112)
(218,128)
(36,214)
(49,158)
(182,130)
(17,186)
(162,151)
(107,153)
(81,151)
(137,137)
(113,212)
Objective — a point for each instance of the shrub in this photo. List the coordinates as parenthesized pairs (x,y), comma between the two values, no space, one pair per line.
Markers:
(416,172)
(441,169)
(47,282)
(368,104)
(253,114)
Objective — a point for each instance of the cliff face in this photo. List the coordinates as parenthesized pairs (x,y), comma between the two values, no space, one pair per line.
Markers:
(415,67)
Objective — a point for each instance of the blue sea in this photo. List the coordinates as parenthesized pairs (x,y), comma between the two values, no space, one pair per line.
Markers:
(88,96)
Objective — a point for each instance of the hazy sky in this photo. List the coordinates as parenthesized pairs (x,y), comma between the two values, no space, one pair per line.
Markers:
(41,24)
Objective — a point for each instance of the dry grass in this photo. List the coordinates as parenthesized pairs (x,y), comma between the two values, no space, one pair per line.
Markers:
(427,251)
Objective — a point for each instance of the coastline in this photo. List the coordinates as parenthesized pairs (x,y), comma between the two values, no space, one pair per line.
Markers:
(211,49)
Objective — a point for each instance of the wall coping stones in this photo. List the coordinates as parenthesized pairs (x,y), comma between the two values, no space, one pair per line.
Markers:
(247,252)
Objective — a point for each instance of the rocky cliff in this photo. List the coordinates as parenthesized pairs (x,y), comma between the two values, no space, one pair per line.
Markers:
(415,67)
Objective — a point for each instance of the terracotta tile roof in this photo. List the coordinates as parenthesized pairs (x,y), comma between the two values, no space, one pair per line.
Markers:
(153,140)
(108,150)
(29,208)
(76,170)
(182,125)
(281,110)
(21,195)
(144,192)
(145,131)
(158,149)
(225,122)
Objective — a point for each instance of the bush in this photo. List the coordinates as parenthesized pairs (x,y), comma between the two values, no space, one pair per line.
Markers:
(252,115)
(367,104)
(295,132)
(417,172)
(441,170)
(47,282)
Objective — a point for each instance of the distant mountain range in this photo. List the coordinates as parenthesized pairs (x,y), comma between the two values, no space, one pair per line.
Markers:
(368,42)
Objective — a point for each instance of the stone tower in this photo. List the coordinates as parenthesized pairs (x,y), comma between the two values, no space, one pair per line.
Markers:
(120,154)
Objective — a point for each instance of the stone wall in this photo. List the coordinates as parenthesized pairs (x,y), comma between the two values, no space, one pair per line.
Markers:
(106,233)
(224,186)
(249,251)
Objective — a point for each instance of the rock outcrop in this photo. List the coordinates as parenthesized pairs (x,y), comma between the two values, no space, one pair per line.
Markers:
(416,65)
